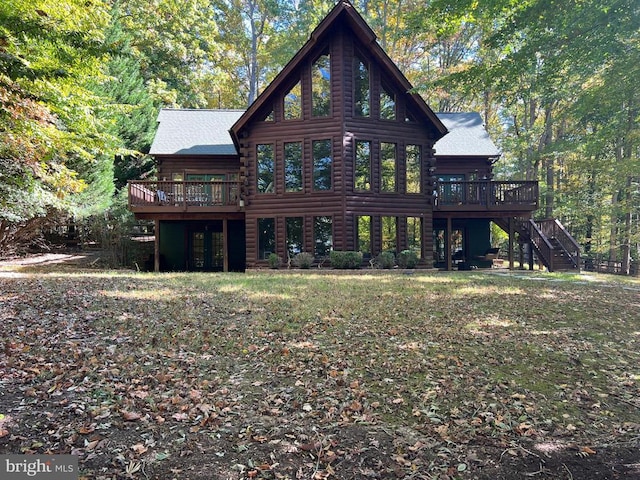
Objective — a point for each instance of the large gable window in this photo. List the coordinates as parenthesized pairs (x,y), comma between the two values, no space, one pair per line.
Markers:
(321,86)
(362,88)
(387,167)
(265,168)
(293,167)
(322,160)
(387,105)
(293,103)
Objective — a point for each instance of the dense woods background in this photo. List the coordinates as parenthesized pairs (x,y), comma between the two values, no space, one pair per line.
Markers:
(81,83)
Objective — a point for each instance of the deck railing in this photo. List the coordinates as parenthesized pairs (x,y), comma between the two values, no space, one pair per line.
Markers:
(184,193)
(487,194)
(541,243)
(552,228)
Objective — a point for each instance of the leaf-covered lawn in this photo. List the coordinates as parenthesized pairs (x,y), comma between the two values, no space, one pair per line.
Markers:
(314,375)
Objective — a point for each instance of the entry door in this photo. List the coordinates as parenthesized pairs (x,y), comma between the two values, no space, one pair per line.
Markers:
(206,251)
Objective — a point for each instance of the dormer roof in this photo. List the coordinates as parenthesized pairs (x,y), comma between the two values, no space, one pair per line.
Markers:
(194,132)
(467,137)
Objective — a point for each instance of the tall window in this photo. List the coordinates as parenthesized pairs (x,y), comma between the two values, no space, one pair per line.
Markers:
(414,177)
(362,89)
(387,167)
(266,237)
(294,235)
(414,234)
(265,173)
(387,105)
(389,242)
(322,161)
(321,87)
(362,167)
(322,235)
(293,103)
(364,235)
(293,167)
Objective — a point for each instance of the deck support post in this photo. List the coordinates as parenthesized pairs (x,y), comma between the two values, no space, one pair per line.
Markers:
(531,263)
(225,247)
(156,251)
(447,247)
(520,254)
(511,239)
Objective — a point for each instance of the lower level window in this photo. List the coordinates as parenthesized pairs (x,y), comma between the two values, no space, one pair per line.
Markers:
(266,237)
(414,234)
(322,235)
(364,235)
(389,241)
(294,235)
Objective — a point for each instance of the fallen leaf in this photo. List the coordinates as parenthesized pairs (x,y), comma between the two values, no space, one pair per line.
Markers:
(130,416)
(139,448)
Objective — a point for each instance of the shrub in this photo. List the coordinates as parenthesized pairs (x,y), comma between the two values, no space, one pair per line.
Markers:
(274,261)
(345,259)
(386,260)
(407,259)
(303,260)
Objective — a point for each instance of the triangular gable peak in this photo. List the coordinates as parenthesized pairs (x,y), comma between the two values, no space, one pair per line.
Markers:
(343,14)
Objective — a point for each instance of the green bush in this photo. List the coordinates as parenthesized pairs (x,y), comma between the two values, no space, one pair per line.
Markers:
(345,259)
(386,260)
(407,259)
(274,261)
(303,260)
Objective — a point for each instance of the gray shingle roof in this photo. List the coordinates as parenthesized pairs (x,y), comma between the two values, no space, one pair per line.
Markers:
(206,132)
(467,136)
(194,132)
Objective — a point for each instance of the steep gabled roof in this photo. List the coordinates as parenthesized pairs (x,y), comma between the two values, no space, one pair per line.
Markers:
(467,137)
(343,10)
(194,132)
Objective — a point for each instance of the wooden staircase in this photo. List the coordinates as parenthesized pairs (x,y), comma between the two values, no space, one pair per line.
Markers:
(550,241)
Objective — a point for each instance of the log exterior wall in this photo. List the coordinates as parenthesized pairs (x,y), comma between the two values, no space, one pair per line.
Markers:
(342,203)
(170,165)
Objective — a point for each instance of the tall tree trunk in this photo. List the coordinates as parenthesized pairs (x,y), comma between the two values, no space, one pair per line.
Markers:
(613,231)
(549,161)
(590,218)
(625,248)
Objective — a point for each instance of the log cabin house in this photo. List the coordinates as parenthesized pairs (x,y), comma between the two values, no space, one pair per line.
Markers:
(337,153)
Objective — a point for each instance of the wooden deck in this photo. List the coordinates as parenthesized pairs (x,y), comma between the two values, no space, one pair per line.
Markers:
(224,196)
(486,196)
(153,197)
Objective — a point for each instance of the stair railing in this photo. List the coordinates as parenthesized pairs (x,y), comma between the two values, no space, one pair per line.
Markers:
(552,228)
(541,243)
